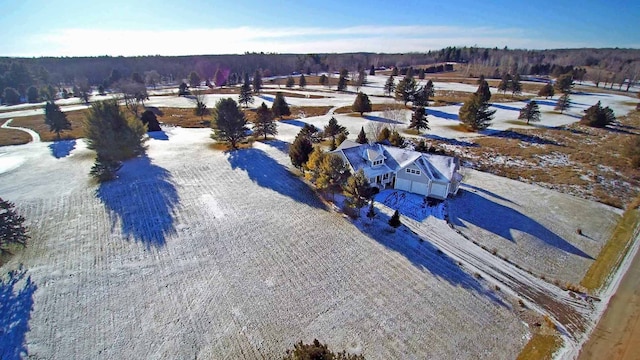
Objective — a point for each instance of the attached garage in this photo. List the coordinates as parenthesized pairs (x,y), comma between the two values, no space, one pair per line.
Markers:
(412,186)
(439,190)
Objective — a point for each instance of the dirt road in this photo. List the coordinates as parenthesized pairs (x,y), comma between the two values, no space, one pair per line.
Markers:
(616,335)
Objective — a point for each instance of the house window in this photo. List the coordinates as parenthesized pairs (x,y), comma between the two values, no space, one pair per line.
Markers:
(385,176)
(413,171)
(377,162)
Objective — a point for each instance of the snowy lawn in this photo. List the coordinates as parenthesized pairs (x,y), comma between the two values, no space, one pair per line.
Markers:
(199,253)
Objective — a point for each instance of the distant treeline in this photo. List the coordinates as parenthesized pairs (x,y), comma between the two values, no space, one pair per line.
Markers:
(57,72)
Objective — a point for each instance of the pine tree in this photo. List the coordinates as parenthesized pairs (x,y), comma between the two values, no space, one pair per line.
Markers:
(311,132)
(182,89)
(389,86)
(263,124)
(564,83)
(383,134)
(55,118)
(313,165)
(547,91)
(419,119)
(597,116)
(302,82)
(12,230)
(361,104)
(299,150)
(421,74)
(324,80)
(32,94)
(475,114)
(340,138)
(280,107)
(342,80)
(505,83)
(429,90)
(113,136)
(362,137)
(290,82)
(372,70)
(563,103)
(394,72)
(396,140)
(194,79)
(394,221)
(257,81)
(229,123)
(516,87)
(333,174)
(358,190)
(406,89)
(484,92)
(245,97)
(371,213)
(332,144)
(531,112)
(333,128)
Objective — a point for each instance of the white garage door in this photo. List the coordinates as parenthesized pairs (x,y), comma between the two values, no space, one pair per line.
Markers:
(439,190)
(419,188)
(402,184)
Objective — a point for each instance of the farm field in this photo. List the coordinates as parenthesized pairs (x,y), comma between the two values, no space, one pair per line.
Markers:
(195,252)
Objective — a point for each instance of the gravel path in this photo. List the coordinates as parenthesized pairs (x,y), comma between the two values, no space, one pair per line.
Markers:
(35,138)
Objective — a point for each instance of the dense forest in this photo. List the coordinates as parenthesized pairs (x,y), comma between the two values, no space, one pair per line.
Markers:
(33,78)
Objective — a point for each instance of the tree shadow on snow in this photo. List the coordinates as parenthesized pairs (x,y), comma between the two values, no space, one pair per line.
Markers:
(268,173)
(442,114)
(144,199)
(505,107)
(502,220)
(492,194)
(298,123)
(158,135)
(424,255)
(62,148)
(16,304)
(267,98)
(381,119)
(509,134)
(283,146)
(451,141)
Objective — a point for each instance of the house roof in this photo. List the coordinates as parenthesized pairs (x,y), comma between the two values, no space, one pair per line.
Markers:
(436,167)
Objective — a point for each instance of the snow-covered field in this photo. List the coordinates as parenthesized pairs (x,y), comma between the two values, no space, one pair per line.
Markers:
(194,252)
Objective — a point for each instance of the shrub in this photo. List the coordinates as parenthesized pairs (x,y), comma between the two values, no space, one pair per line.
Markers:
(317,351)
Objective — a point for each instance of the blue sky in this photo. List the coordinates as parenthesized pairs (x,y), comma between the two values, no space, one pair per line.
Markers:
(115,27)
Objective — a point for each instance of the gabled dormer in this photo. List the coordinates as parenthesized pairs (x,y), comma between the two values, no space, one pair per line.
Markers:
(374,158)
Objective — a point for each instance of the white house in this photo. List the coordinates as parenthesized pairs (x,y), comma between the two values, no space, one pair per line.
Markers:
(435,176)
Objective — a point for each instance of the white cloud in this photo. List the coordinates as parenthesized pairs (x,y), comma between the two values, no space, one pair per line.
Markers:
(93,42)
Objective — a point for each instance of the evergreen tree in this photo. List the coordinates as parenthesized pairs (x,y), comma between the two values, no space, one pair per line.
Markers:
(358,190)
(280,107)
(361,104)
(302,82)
(564,83)
(12,229)
(394,221)
(516,86)
(113,136)
(182,89)
(481,79)
(324,80)
(300,149)
(290,82)
(421,74)
(264,124)
(332,144)
(475,114)
(484,92)
(547,91)
(389,86)
(361,79)
(313,165)
(372,70)
(342,80)
(101,90)
(333,129)
(229,123)
(394,72)
(257,81)
(32,94)
(201,108)
(55,118)
(419,119)
(395,139)
(563,103)
(505,83)
(362,137)
(333,174)
(384,134)
(531,112)
(245,97)
(597,116)
(371,213)
(150,120)
(406,89)
(341,138)
(311,132)
(194,79)
(429,90)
